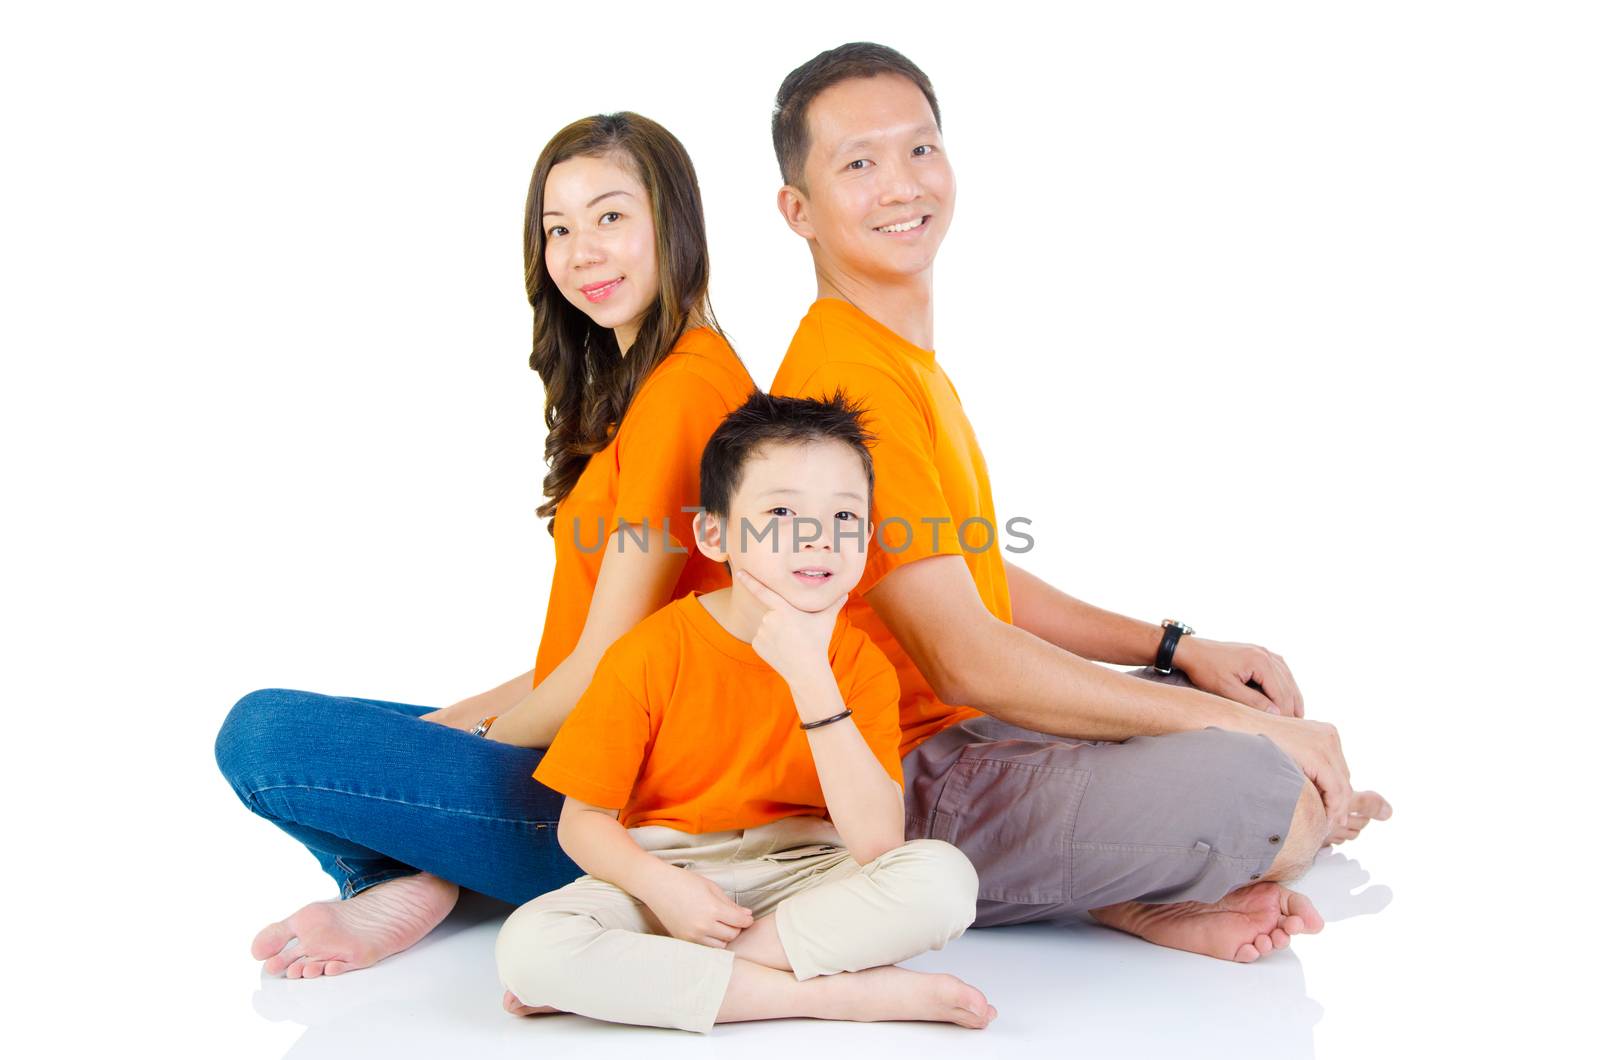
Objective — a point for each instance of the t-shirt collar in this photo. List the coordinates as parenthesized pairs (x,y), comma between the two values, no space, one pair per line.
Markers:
(922,356)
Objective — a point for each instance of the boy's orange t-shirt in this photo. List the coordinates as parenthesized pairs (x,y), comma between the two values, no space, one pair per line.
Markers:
(926,466)
(649,472)
(684,725)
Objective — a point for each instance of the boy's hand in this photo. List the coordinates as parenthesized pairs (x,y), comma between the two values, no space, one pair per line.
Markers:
(694,909)
(793,642)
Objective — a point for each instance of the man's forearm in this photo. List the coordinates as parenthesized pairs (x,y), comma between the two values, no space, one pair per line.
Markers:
(862,800)
(1081,628)
(1017,677)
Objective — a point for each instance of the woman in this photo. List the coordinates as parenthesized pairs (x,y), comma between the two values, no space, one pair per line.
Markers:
(637,375)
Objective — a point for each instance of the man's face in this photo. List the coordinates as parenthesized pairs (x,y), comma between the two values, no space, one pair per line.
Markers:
(798,521)
(879,189)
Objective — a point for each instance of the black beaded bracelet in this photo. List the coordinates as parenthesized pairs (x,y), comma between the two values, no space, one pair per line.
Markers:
(826,721)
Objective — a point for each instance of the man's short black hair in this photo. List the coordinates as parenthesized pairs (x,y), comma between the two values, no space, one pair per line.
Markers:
(791,136)
(767,418)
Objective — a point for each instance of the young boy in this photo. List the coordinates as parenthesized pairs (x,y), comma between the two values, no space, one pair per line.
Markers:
(732,777)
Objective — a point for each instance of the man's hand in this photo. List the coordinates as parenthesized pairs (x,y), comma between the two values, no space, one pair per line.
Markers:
(694,909)
(464,716)
(792,641)
(1227,670)
(1315,748)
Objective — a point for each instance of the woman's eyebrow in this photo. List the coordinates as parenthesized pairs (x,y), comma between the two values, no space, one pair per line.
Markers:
(591,202)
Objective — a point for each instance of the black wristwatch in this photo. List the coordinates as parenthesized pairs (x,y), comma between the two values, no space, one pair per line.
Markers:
(1169,643)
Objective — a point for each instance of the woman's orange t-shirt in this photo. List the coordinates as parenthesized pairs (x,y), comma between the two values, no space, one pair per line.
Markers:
(649,473)
(684,725)
(926,466)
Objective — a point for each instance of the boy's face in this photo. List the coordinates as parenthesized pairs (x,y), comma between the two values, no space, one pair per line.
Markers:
(876,164)
(801,508)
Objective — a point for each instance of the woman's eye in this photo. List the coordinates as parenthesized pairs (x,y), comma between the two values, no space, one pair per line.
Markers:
(860,163)
(609,213)
(555,230)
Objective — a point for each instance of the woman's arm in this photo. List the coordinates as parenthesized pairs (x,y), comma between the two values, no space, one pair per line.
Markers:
(635,580)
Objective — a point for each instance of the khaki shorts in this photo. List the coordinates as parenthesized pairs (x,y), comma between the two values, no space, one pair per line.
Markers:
(1057,827)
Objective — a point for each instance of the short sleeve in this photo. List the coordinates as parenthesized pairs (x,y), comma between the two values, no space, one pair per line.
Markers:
(874,701)
(599,749)
(910,516)
(659,445)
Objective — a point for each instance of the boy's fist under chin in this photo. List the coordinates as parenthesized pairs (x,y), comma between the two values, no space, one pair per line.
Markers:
(793,642)
(694,909)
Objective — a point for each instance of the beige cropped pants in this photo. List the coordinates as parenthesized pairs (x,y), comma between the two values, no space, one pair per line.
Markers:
(592,948)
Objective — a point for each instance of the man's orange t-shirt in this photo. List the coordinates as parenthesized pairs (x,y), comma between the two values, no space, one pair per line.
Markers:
(649,473)
(686,726)
(926,467)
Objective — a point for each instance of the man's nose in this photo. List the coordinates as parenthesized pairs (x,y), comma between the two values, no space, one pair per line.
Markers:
(896,183)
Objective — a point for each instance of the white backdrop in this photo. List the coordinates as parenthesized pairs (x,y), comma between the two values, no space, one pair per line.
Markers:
(1277,318)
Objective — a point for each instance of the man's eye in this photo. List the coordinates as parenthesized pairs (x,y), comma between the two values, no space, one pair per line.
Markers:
(922,149)
(860,163)
(609,213)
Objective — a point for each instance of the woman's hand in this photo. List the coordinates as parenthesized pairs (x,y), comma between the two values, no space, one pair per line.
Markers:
(694,909)
(463,715)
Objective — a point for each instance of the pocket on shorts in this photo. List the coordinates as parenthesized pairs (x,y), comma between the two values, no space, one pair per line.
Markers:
(796,853)
(1014,817)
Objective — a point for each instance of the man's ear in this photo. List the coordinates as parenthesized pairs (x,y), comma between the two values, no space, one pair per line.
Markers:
(796,211)
(708,530)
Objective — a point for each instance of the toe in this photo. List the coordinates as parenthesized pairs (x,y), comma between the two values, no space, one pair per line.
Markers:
(1246,954)
(285,957)
(335,967)
(1296,904)
(312,969)
(296,969)
(1263,944)
(270,940)
(1280,939)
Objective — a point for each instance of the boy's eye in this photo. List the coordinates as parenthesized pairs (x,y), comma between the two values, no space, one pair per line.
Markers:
(845,515)
(778,511)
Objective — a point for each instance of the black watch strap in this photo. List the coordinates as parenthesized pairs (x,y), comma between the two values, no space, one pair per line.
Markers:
(1173,629)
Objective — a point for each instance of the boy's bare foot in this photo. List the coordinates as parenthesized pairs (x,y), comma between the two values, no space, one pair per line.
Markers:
(326,938)
(892,993)
(512,1004)
(1247,924)
(1366,807)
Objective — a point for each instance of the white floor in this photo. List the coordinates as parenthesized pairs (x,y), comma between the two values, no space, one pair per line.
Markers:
(1095,990)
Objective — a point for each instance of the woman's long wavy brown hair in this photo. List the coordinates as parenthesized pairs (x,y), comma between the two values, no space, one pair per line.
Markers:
(588,384)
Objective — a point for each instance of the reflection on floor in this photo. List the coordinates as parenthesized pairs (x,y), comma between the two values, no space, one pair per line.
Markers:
(1097,991)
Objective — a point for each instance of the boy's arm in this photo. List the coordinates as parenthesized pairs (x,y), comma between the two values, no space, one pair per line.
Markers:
(864,803)
(689,906)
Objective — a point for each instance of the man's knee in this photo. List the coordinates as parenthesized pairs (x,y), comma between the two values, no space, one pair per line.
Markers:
(938,885)
(1308,830)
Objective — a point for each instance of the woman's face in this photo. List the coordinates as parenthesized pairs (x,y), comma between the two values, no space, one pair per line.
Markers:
(600,242)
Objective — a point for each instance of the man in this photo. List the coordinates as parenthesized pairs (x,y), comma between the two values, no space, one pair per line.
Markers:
(1176,803)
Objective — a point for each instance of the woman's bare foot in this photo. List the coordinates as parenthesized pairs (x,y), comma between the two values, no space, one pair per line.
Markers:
(1247,924)
(891,993)
(326,938)
(1366,807)
(513,1004)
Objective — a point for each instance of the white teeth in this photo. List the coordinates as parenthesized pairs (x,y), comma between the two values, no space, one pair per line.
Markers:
(904,227)
(811,572)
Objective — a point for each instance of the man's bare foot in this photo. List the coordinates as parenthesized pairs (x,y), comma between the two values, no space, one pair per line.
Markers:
(891,993)
(1366,807)
(326,938)
(513,1004)
(1247,924)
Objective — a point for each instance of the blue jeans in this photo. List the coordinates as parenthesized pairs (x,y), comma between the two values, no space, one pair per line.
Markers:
(375,794)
